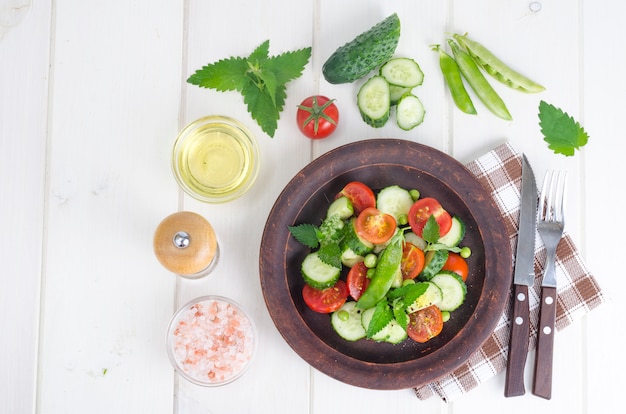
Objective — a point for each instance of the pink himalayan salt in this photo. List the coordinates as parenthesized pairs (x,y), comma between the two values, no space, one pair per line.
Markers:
(213,341)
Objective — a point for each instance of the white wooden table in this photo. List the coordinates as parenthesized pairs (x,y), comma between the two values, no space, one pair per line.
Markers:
(92,95)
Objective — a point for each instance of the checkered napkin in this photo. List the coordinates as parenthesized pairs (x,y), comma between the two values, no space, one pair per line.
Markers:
(500,172)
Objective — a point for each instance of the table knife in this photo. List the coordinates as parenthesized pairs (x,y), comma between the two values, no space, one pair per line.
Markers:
(524,277)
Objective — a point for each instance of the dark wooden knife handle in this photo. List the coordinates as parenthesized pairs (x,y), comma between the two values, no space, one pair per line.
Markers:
(518,343)
(542,381)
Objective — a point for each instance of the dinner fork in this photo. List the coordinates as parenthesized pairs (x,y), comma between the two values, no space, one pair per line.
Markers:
(550,226)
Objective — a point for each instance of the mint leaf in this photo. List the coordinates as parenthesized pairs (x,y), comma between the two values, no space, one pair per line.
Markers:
(381,318)
(305,234)
(330,253)
(224,75)
(562,133)
(430,233)
(399,313)
(260,78)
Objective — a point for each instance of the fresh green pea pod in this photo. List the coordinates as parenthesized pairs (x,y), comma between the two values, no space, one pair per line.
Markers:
(479,84)
(386,269)
(452,75)
(496,68)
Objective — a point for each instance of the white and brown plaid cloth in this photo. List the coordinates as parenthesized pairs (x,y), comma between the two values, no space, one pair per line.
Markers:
(500,172)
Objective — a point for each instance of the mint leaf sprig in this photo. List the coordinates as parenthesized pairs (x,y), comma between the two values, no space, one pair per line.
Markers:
(260,78)
(327,237)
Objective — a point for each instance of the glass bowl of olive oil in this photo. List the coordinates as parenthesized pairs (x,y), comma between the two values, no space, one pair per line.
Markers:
(215,159)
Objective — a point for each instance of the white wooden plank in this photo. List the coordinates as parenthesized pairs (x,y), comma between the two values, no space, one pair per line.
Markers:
(107,301)
(24,55)
(603,64)
(239,223)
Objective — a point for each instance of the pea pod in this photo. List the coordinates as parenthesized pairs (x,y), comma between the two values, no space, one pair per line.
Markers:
(496,68)
(452,76)
(388,266)
(479,84)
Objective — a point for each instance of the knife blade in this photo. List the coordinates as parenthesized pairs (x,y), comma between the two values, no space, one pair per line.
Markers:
(524,277)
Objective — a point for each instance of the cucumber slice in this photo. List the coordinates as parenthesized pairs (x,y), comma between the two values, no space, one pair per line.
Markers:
(402,72)
(366,318)
(396,92)
(367,51)
(453,289)
(318,274)
(373,101)
(341,207)
(415,240)
(433,262)
(394,200)
(346,321)
(349,258)
(432,296)
(358,245)
(409,112)
(453,237)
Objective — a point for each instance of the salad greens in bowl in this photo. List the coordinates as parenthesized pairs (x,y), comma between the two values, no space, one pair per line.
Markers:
(341,278)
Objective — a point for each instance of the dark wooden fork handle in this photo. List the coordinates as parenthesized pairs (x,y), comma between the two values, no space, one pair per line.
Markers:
(542,381)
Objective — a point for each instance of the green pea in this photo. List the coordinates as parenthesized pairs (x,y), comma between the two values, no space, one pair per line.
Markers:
(452,76)
(415,194)
(370,260)
(479,84)
(445,316)
(496,68)
(343,315)
(465,252)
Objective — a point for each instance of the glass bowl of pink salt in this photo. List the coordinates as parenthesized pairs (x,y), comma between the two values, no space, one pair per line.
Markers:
(211,341)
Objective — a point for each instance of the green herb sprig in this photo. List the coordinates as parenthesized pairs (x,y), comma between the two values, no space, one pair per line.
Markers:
(260,78)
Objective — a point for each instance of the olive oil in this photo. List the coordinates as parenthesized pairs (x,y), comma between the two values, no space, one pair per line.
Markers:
(215,159)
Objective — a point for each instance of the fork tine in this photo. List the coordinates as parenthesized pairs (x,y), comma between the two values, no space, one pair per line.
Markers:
(551,203)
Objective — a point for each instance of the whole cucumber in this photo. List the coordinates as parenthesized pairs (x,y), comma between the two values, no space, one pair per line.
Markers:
(367,51)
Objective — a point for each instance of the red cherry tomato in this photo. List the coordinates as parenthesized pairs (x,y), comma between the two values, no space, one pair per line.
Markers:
(421,211)
(412,261)
(359,194)
(357,280)
(456,264)
(317,117)
(425,324)
(375,226)
(327,300)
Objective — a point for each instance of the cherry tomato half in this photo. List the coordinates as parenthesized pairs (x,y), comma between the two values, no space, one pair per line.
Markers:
(357,280)
(360,195)
(412,261)
(375,226)
(421,211)
(425,324)
(317,117)
(327,300)
(456,264)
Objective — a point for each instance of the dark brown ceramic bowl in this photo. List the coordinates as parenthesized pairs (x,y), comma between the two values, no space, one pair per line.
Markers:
(379,163)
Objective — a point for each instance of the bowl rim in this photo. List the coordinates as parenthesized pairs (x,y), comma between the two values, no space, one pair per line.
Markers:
(345,368)
(174,322)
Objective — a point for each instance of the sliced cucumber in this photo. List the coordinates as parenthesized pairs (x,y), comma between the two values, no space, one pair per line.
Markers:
(402,72)
(341,207)
(415,240)
(432,296)
(394,200)
(358,245)
(453,237)
(346,321)
(318,274)
(366,318)
(409,112)
(433,262)
(392,332)
(396,92)
(453,289)
(367,51)
(373,101)
(348,257)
